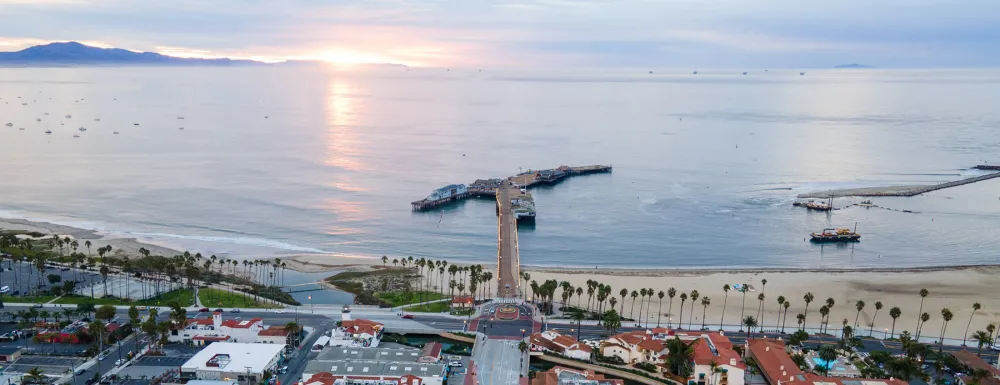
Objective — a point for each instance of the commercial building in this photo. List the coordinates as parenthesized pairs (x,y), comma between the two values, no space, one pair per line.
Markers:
(566,376)
(551,341)
(390,364)
(330,379)
(232,361)
(634,347)
(715,361)
(973,363)
(10,353)
(203,331)
(274,335)
(356,332)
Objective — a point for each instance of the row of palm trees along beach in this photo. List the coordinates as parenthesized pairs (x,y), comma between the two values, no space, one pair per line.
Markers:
(261,278)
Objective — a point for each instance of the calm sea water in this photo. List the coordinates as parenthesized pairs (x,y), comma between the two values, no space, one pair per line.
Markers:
(290,161)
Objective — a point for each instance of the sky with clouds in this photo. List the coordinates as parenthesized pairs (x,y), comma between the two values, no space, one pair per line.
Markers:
(521,33)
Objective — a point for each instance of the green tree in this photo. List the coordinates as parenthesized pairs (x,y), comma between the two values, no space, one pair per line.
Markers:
(671,292)
(981,339)
(611,321)
(894,313)
(705,301)
(34,376)
(105,312)
(659,310)
(680,319)
(680,355)
(97,329)
(808,297)
(293,330)
(860,305)
(133,318)
(578,317)
(798,338)
(750,322)
(694,298)
(871,329)
(829,354)
(85,308)
(947,315)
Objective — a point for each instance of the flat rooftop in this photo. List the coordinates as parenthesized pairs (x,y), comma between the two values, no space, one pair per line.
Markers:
(240,356)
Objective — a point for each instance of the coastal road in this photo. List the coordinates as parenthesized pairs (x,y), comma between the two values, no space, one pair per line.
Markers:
(508,260)
(500,361)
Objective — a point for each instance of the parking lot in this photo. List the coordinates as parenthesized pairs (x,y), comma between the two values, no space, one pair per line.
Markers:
(49,364)
(23,278)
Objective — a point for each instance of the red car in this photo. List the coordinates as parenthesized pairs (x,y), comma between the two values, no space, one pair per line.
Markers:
(204,309)
(408,316)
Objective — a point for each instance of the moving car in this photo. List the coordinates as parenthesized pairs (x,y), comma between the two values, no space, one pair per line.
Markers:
(408,316)
(119,362)
(235,311)
(455,364)
(280,311)
(204,309)
(5,289)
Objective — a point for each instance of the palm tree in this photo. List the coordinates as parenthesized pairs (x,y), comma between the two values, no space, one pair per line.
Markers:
(760,308)
(623,293)
(784,317)
(642,293)
(578,317)
(749,321)
(680,322)
(824,312)
(777,321)
(634,295)
(35,376)
(808,298)
(947,315)
(743,307)
(860,305)
(694,297)
(659,309)
(878,306)
(894,313)
(975,306)
(990,329)
(982,339)
(829,354)
(829,308)
(923,294)
(293,330)
(671,292)
(923,319)
(649,292)
(802,321)
(579,293)
(725,300)
(705,301)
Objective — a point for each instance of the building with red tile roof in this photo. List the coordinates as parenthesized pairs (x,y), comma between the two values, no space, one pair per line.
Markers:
(779,369)
(973,362)
(462,302)
(431,352)
(565,376)
(215,326)
(358,333)
(273,335)
(715,361)
(552,341)
(634,347)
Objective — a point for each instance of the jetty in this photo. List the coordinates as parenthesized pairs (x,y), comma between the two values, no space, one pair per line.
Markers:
(902,191)
(514,205)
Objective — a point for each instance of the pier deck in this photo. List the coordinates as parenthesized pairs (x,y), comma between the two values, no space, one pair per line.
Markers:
(508,258)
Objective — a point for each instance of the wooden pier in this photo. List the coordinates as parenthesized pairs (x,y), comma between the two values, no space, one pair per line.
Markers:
(508,257)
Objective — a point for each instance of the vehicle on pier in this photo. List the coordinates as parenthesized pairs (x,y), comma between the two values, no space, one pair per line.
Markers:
(835,235)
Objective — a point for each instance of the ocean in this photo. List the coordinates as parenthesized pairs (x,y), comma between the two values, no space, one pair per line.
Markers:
(280,161)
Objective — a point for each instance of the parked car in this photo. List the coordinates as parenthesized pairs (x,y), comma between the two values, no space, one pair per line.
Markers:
(204,309)
(80,372)
(283,370)
(119,362)
(280,311)
(219,310)
(235,311)
(37,306)
(455,364)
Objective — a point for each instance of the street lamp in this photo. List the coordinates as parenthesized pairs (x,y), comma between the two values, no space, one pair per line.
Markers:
(465,325)
(522,333)
(311,310)
(885,333)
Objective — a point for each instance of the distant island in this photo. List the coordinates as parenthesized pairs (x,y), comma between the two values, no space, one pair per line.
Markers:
(852,66)
(73,54)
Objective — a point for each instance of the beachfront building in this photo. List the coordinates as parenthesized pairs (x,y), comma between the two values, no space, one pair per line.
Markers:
(274,335)
(356,332)
(551,341)
(715,360)
(634,347)
(973,362)
(778,368)
(203,331)
(233,361)
(565,376)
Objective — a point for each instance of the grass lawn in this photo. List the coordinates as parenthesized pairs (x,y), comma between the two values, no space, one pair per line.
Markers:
(436,307)
(21,299)
(221,298)
(185,297)
(399,298)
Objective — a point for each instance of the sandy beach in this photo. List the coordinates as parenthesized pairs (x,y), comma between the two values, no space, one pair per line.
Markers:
(119,246)
(956,288)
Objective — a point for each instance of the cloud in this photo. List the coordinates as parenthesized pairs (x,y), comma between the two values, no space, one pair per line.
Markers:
(535,33)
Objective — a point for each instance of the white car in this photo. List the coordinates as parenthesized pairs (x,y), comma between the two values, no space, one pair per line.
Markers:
(119,362)
(455,364)
(5,289)
(280,311)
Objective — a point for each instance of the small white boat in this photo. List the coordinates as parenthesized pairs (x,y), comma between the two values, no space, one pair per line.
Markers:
(48,131)
(135,124)
(801,73)
(83,129)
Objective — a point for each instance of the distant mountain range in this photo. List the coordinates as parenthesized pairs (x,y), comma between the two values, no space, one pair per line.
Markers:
(852,66)
(76,54)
